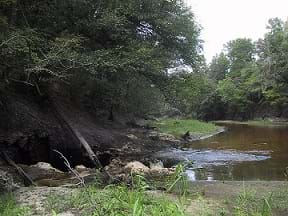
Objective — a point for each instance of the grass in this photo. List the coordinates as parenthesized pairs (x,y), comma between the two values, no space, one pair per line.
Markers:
(248,203)
(179,127)
(121,200)
(113,200)
(117,200)
(252,203)
(9,206)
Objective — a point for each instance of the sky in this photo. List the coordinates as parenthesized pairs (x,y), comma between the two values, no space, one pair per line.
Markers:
(225,20)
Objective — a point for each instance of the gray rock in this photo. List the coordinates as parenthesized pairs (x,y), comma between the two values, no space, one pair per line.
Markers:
(7,182)
(42,170)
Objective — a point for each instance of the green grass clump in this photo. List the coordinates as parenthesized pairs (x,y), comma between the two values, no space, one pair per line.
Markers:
(178,127)
(9,207)
(114,200)
(248,203)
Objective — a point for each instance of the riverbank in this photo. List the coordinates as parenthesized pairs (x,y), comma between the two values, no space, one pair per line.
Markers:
(202,199)
(264,123)
(187,129)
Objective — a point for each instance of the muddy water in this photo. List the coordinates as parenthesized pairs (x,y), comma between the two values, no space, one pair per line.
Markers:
(241,153)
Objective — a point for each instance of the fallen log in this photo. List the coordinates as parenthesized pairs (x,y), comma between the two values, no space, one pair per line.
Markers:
(76,135)
(92,156)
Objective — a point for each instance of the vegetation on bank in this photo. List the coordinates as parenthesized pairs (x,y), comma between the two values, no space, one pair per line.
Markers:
(111,55)
(250,76)
(138,201)
(9,206)
(119,56)
(114,200)
(178,127)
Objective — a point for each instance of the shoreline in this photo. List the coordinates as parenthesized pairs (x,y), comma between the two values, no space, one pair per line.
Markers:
(259,123)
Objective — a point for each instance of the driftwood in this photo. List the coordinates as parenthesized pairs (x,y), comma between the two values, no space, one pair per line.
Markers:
(92,156)
(27,179)
(77,136)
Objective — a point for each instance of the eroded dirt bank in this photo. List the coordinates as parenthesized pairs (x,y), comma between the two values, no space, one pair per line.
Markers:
(31,127)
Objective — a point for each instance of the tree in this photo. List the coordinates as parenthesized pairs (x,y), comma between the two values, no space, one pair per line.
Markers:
(186,91)
(219,67)
(240,52)
(273,55)
(97,46)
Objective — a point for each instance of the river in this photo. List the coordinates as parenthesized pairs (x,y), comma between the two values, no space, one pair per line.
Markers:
(243,152)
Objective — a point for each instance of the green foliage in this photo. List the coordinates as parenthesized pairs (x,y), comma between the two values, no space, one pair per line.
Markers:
(179,127)
(9,207)
(187,90)
(240,52)
(248,204)
(120,48)
(219,67)
(178,181)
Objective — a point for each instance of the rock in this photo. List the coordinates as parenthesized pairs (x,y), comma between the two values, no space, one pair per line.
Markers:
(161,172)
(66,214)
(156,165)
(139,123)
(115,167)
(81,168)
(7,182)
(45,166)
(132,136)
(136,167)
(162,137)
(42,170)
(157,170)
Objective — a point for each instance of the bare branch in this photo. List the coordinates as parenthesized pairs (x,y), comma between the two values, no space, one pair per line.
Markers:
(75,173)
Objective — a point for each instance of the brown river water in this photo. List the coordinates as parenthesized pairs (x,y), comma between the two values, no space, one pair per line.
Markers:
(243,152)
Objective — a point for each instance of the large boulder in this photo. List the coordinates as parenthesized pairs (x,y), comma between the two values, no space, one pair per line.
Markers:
(136,167)
(42,170)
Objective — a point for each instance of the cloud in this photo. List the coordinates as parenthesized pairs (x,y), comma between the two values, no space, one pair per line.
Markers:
(225,20)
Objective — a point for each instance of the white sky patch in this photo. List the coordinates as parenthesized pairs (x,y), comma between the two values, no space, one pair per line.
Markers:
(225,20)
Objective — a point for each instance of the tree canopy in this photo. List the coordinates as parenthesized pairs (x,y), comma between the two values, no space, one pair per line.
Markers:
(117,54)
(115,51)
